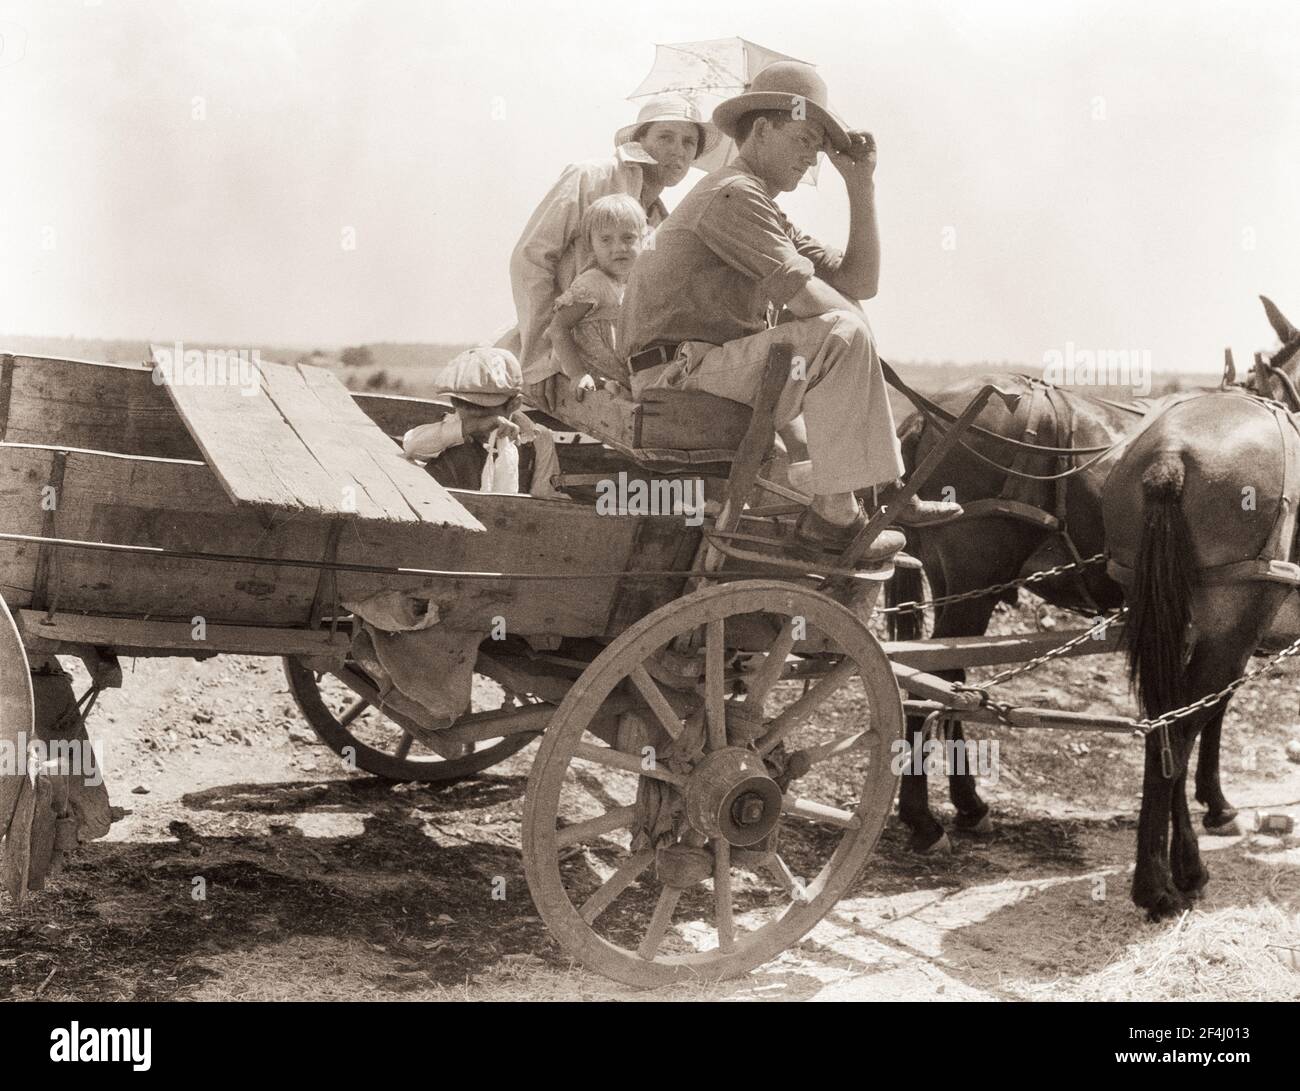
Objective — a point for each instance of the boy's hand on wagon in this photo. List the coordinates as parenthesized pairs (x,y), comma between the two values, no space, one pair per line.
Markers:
(581,386)
(481,423)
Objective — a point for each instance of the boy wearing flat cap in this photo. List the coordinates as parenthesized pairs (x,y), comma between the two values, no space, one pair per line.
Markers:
(695,314)
(473,447)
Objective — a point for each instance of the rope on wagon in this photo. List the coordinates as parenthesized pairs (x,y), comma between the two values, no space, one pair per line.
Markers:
(387,570)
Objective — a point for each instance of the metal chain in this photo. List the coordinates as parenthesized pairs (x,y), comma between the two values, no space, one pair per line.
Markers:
(1143,726)
(1164,720)
(1092,633)
(1003,710)
(994,589)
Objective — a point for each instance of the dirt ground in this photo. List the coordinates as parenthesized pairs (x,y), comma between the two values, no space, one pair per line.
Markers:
(322,884)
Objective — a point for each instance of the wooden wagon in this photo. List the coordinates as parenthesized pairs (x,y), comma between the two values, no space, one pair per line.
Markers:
(721,732)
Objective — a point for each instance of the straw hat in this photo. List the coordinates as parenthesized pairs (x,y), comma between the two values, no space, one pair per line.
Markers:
(671,107)
(785,85)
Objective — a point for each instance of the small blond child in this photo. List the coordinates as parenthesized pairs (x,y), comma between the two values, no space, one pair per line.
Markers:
(585,316)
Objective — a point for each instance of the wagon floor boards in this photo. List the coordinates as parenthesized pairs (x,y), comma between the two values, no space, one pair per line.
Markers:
(295,442)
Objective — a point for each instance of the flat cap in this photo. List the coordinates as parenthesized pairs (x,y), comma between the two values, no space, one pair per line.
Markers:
(484,376)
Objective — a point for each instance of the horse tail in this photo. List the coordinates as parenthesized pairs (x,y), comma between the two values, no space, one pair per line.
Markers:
(1160,606)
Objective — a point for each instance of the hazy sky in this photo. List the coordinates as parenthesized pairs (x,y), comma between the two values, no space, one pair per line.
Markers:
(1114,175)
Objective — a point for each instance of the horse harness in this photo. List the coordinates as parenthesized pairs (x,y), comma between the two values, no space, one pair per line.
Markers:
(1277,560)
(1047,422)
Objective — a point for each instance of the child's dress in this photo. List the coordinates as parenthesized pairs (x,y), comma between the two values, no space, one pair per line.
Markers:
(594,335)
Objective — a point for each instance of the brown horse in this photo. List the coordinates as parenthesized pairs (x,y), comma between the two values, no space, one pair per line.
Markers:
(1199,515)
(1014,525)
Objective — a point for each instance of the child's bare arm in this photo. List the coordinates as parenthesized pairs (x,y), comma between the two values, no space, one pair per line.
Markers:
(561,334)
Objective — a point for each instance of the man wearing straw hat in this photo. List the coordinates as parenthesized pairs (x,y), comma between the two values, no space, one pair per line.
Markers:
(695,314)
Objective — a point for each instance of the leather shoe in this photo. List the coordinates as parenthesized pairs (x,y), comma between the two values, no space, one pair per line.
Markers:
(917,512)
(816,538)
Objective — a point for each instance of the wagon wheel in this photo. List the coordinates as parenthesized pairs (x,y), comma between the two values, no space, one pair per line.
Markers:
(387,749)
(17,727)
(704,857)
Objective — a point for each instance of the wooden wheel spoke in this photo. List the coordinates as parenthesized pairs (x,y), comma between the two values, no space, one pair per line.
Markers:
(338,718)
(612,887)
(845,744)
(773,665)
(628,763)
(723,914)
(805,706)
(663,917)
(715,653)
(820,812)
(620,818)
(788,881)
(355,709)
(654,697)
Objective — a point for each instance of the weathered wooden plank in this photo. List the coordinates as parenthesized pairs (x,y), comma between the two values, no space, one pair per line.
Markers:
(23,472)
(118,407)
(372,457)
(666,420)
(550,538)
(609,419)
(97,406)
(690,420)
(1028,716)
(298,444)
(180,505)
(252,446)
(990,651)
(127,634)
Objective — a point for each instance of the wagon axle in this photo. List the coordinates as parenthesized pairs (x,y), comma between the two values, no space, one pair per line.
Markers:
(730,794)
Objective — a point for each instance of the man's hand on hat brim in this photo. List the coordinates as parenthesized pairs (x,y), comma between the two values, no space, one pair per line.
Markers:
(858,164)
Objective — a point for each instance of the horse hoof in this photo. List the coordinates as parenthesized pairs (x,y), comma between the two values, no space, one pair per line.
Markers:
(1192,885)
(1227,826)
(968,823)
(942,847)
(1161,900)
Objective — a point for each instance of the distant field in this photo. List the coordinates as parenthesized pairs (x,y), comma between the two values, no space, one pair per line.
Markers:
(408,368)
(398,368)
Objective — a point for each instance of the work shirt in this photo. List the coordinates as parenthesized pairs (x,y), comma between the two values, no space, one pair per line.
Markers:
(725,253)
(551,252)
(456,461)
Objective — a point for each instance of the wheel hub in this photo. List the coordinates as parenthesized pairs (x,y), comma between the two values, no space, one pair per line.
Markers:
(731,795)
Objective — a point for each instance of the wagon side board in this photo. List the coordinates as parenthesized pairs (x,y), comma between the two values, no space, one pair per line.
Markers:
(179,505)
(120,407)
(96,406)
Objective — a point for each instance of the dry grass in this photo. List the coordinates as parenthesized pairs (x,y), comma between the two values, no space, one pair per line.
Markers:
(1238,944)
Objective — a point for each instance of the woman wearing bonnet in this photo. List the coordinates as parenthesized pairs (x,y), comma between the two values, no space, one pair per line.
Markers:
(651,155)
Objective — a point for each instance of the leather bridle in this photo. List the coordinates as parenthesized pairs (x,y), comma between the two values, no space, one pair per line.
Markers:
(1273,369)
